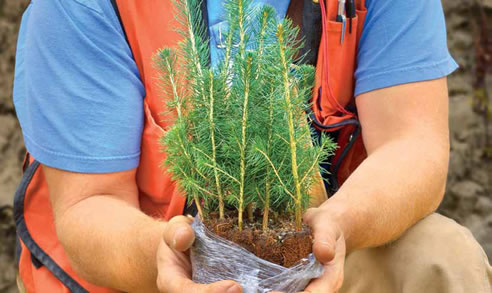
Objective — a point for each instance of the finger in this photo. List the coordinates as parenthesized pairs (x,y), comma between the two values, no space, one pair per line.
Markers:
(325,235)
(332,279)
(218,287)
(183,284)
(323,249)
(309,214)
(178,233)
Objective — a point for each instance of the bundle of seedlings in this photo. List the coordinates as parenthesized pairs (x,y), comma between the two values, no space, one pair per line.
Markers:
(241,149)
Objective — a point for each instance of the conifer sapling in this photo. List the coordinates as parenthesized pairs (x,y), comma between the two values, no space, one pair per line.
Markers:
(241,139)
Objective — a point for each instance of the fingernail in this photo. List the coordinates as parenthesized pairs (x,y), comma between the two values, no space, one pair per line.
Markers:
(234,289)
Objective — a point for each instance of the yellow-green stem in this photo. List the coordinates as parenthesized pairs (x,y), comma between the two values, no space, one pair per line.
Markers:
(243,144)
(261,45)
(198,206)
(242,30)
(173,83)
(242,49)
(266,209)
(227,54)
(269,150)
(227,61)
(179,105)
(214,148)
(249,208)
(292,138)
(191,35)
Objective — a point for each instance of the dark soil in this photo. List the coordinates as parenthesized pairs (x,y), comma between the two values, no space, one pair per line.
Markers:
(281,244)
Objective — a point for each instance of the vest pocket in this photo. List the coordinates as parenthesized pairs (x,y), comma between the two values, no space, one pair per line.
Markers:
(337,71)
(150,177)
(159,196)
(333,101)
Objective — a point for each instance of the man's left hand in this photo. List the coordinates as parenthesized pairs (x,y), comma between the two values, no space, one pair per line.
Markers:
(329,248)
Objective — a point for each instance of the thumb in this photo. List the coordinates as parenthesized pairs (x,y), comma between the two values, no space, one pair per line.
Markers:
(224,286)
(218,287)
(178,233)
(325,235)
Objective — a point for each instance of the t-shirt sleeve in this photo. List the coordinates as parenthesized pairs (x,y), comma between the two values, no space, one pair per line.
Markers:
(402,42)
(77,90)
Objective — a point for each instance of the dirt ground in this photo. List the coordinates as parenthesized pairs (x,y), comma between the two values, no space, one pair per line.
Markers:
(468,197)
(469,192)
(11,143)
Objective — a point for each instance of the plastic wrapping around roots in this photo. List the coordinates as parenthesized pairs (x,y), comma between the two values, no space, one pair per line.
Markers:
(215,259)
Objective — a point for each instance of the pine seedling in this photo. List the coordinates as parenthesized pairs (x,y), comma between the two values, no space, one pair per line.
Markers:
(241,139)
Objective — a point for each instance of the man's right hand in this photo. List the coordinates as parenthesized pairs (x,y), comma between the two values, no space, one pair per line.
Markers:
(118,249)
(173,263)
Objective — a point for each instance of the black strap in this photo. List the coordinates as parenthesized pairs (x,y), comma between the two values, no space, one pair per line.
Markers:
(117,12)
(311,32)
(333,185)
(39,256)
(115,7)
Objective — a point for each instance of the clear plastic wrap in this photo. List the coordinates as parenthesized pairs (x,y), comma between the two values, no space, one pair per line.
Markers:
(215,259)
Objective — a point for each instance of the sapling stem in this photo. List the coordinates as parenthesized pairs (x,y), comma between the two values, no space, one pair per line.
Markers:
(268,183)
(240,140)
(244,124)
(191,35)
(199,79)
(214,148)
(276,174)
(243,143)
(249,208)
(261,39)
(179,112)
(169,61)
(261,45)
(242,29)
(266,208)
(292,138)
(198,205)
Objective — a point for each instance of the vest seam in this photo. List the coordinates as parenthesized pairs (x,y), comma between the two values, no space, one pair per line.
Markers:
(114,5)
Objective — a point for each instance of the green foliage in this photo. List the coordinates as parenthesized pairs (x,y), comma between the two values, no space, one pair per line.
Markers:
(241,136)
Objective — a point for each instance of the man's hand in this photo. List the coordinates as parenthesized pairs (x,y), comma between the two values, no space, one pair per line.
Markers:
(329,249)
(405,133)
(173,264)
(122,249)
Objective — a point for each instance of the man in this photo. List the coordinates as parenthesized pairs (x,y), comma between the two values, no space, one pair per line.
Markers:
(79,95)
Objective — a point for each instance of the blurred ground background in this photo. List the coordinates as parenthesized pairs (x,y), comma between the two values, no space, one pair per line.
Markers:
(469,192)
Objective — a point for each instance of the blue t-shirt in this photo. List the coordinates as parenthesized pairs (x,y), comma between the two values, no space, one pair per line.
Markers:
(217,25)
(79,97)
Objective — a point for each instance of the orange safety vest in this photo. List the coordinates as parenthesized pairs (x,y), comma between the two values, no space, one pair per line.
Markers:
(150,25)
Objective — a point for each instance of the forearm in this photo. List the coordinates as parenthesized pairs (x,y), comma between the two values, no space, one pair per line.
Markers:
(111,243)
(398,184)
